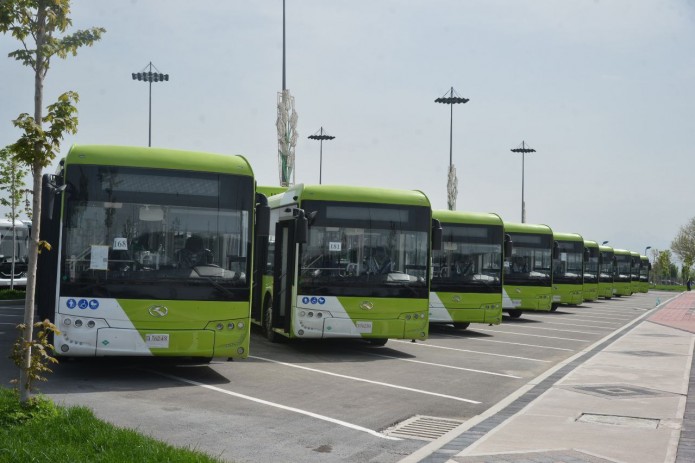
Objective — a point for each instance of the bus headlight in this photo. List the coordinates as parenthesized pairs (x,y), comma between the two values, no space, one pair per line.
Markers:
(91,324)
(78,323)
(67,322)
(240,325)
(230,325)
(220,326)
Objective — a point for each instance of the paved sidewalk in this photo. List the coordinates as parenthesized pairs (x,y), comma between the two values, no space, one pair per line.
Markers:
(624,399)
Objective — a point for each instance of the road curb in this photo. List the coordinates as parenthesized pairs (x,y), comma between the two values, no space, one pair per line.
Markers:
(12,302)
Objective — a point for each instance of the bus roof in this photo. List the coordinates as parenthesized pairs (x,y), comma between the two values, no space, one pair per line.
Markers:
(567,236)
(644,258)
(359,194)
(473,218)
(590,244)
(634,254)
(132,156)
(622,252)
(527,228)
(604,248)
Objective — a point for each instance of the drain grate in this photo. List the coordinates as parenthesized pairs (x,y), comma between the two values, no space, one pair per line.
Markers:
(617,420)
(422,427)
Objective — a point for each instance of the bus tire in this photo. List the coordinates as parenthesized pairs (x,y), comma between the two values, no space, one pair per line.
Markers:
(514,313)
(268,321)
(378,342)
(553,307)
(461,325)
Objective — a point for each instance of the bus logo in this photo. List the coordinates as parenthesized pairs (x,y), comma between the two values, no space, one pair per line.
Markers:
(158,311)
(366,305)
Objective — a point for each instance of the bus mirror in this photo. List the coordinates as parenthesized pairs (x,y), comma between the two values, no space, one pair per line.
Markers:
(436,235)
(556,250)
(587,254)
(508,245)
(301,230)
(262,220)
(312,217)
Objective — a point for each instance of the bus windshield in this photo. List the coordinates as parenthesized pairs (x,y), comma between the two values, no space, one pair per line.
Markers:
(567,269)
(622,268)
(606,268)
(365,250)
(591,268)
(470,259)
(156,234)
(530,261)
(644,271)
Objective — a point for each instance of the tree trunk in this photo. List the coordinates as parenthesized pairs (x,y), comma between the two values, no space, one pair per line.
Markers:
(39,71)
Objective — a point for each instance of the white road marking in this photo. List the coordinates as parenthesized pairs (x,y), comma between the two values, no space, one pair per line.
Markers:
(588,326)
(521,344)
(553,329)
(471,351)
(448,366)
(536,335)
(277,405)
(354,378)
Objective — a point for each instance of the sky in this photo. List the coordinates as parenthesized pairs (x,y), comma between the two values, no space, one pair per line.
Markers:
(604,91)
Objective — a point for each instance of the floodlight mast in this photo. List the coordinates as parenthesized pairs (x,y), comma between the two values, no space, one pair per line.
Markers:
(451,98)
(150,77)
(523,149)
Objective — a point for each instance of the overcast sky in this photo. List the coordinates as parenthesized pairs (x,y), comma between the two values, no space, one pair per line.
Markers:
(604,91)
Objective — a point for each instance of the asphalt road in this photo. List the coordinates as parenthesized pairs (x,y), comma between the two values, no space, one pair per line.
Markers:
(330,401)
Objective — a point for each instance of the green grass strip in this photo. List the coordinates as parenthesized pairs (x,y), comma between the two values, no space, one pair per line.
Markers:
(45,432)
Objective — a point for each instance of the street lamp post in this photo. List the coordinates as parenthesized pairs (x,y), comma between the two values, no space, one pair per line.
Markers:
(647,249)
(524,149)
(150,77)
(451,98)
(604,243)
(321,136)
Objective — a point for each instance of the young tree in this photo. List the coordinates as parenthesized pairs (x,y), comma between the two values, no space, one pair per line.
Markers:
(11,181)
(683,245)
(37,24)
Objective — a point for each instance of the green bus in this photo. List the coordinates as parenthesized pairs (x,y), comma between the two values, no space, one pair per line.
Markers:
(644,274)
(527,283)
(466,284)
(568,263)
(347,262)
(591,270)
(606,272)
(635,271)
(622,276)
(151,253)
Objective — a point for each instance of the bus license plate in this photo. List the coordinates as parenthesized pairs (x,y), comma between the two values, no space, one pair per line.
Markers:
(159,341)
(363,327)
(557,298)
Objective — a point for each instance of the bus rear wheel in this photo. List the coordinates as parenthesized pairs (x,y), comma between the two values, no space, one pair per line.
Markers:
(461,325)
(554,307)
(378,342)
(514,313)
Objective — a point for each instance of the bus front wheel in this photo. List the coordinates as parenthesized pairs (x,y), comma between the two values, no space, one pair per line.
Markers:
(461,325)
(554,307)
(268,322)
(514,313)
(378,342)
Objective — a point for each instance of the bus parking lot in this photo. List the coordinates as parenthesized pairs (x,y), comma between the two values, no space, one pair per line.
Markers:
(336,400)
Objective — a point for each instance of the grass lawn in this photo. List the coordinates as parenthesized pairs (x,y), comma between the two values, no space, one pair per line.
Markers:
(48,433)
(11,294)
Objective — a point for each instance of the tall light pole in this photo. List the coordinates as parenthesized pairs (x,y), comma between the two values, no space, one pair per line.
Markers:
(647,249)
(286,123)
(321,136)
(451,98)
(604,243)
(150,77)
(524,149)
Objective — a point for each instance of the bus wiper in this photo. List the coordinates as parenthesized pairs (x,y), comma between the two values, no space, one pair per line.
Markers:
(215,283)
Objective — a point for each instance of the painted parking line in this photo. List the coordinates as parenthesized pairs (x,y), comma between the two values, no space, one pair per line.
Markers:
(447,366)
(277,405)
(363,380)
(11,324)
(469,351)
(580,324)
(552,329)
(534,335)
(502,342)
(522,344)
